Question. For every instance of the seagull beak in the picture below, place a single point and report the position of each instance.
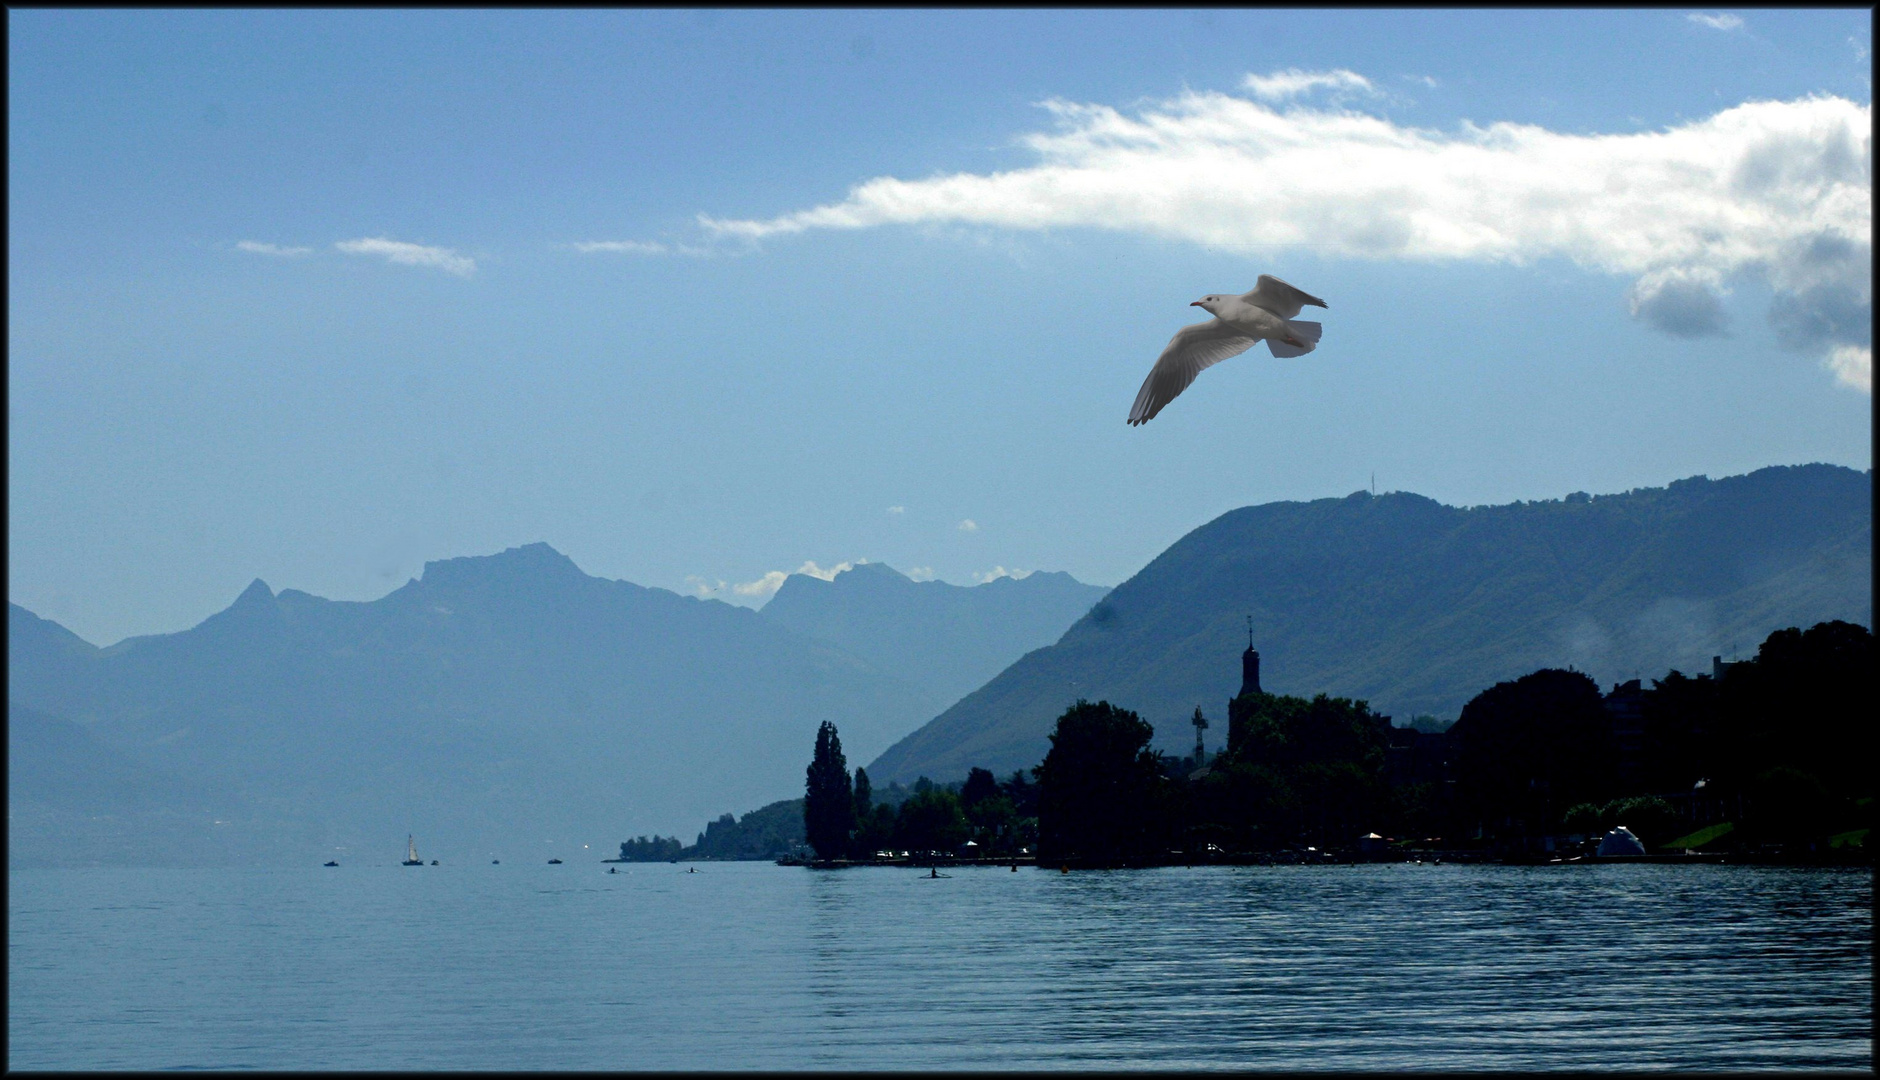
(1197, 303)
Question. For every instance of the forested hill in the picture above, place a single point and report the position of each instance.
(950, 638)
(1417, 606)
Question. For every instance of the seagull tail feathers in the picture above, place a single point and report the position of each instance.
(1307, 332)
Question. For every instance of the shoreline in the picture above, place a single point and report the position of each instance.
(1464, 857)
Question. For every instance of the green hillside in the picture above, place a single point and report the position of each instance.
(1417, 606)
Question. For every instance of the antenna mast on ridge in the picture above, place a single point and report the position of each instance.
(1249, 631)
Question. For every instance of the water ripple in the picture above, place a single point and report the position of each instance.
(756, 966)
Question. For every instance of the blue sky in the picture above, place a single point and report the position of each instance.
(701, 298)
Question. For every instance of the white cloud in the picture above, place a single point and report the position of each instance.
(640, 247)
(277, 250)
(810, 569)
(1776, 190)
(1861, 52)
(704, 587)
(763, 586)
(1716, 22)
(998, 572)
(1423, 80)
(1292, 83)
(1680, 303)
(404, 254)
(921, 573)
(897, 510)
(1853, 366)
(629, 247)
(969, 525)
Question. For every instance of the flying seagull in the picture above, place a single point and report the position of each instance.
(1239, 321)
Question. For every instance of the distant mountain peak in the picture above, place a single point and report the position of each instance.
(257, 592)
(535, 562)
(876, 569)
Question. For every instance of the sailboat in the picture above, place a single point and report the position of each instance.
(411, 852)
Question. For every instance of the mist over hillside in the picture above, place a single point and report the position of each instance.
(948, 638)
(1417, 606)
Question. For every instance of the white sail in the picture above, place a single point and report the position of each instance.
(411, 849)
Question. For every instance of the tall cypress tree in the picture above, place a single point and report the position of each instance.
(828, 801)
(864, 796)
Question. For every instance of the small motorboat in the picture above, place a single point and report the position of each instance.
(554, 862)
(433, 862)
(329, 862)
(496, 862)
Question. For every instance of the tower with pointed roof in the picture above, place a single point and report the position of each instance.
(1241, 704)
(1249, 665)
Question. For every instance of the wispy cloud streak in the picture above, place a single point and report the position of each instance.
(405, 254)
(279, 251)
(1293, 83)
(626, 247)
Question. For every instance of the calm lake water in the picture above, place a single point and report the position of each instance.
(757, 966)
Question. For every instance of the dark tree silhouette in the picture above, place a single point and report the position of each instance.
(1023, 793)
(1100, 788)
(828, 802)
(656, 849)
(1805, 704)
(864, 795)
(1529, 750)
(1299, 771)
(979, 786)
(931, 821)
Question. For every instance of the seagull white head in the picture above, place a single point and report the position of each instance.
(1210, 304)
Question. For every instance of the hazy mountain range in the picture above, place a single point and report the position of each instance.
(947, 638)
(498, 703)
(1418, 606)
(512, 704)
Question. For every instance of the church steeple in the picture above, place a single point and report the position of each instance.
(1250, 664)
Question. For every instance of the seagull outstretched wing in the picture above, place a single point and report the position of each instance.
(1280, 298)
(1190, 351)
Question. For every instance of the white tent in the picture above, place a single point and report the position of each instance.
(1620, 841)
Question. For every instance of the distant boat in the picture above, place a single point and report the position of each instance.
(496, 862)
(554, 862)
(332, 864)
(411, 853)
